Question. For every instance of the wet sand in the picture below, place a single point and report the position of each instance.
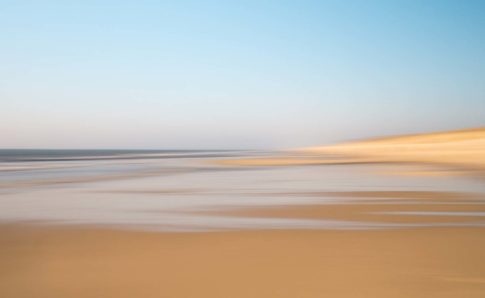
(69, 262)
(403, 208)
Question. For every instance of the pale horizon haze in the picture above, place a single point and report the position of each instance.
(236, 74)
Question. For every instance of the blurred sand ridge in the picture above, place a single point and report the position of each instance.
(459, 148)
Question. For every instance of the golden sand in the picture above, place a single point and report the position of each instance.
(444, 262)
(459, 148)
(463, 149)
(49, 262)
(404, 262)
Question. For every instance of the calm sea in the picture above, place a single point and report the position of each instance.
(30, 155)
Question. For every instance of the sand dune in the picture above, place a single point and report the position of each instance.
(462, 147)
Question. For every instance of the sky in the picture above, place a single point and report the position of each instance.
(236, 74)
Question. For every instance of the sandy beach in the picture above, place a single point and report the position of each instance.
(265, 226)
(405, 261)
(242, 149)
(66, 262)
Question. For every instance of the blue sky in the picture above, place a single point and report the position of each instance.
(236, 74)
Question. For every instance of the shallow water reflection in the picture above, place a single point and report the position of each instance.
(193, 194)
